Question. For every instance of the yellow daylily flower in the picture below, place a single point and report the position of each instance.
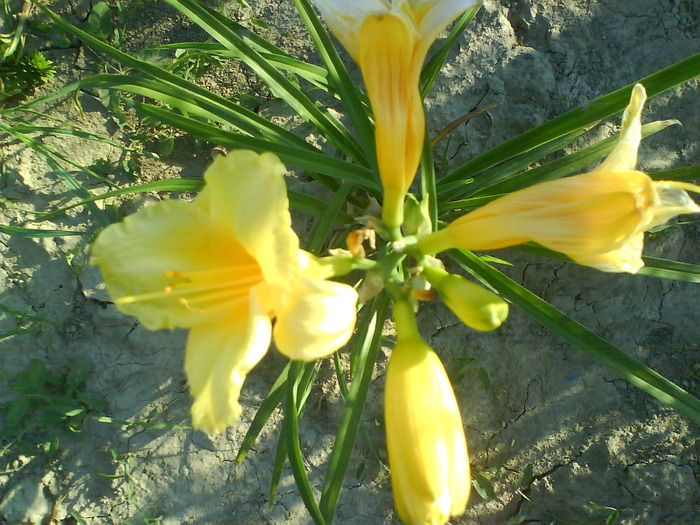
(224, 266)
(598, 219)
(428, 455)
(389, 39)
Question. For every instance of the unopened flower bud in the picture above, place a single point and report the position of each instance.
(416, 217)
(475, 306)
(425, 438)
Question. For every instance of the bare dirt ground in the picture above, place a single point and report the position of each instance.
(588, 435)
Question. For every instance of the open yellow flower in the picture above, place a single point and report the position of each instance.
(598, 219)
(427, 448)
(224, 267)
(390, 39)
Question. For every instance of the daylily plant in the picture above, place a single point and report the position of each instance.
(598, 219)
(229, 268)
(390, 39)
(225, 266)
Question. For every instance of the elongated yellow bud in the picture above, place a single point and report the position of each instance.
(475, 306)
(390, 40)
(598, 218)
(427, 447)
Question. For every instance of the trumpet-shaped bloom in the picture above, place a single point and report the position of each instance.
(390, 39)
(475, 306)
(598, 219)
(224, 267)
(427, 447)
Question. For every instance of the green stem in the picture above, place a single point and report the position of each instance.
(405, 319)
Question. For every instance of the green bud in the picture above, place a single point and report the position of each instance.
(416, 217)
(475, 306)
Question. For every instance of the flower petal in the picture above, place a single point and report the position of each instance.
(246, 191)
(672, 200)
(628, 258)
(317, 320)
(624, 156)
(218, 357)
(433, 16)
(170, 266)
(568, 190)
(391, 71)
(345, 18)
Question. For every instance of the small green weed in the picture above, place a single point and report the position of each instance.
(123, 470)
(20, 72)
(25, 321)
(46, 406)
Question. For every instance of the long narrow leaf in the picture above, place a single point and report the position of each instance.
(366, 347)
(64, 176)
(427, 182)
(566, 165)
(238, 116)
(24, 127)
(339, 79)
(311, 161)
(291, 432)
(277, 467)
(297, 201)
(272, 400)
(329, 217)
(667, 269)
(60, 156)
(687, 173)
(653, 266)
(302, 104)
(204, 105)
(575, 333)
(505, 170)
(578, 118)
(18, 231)
(311, 73)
